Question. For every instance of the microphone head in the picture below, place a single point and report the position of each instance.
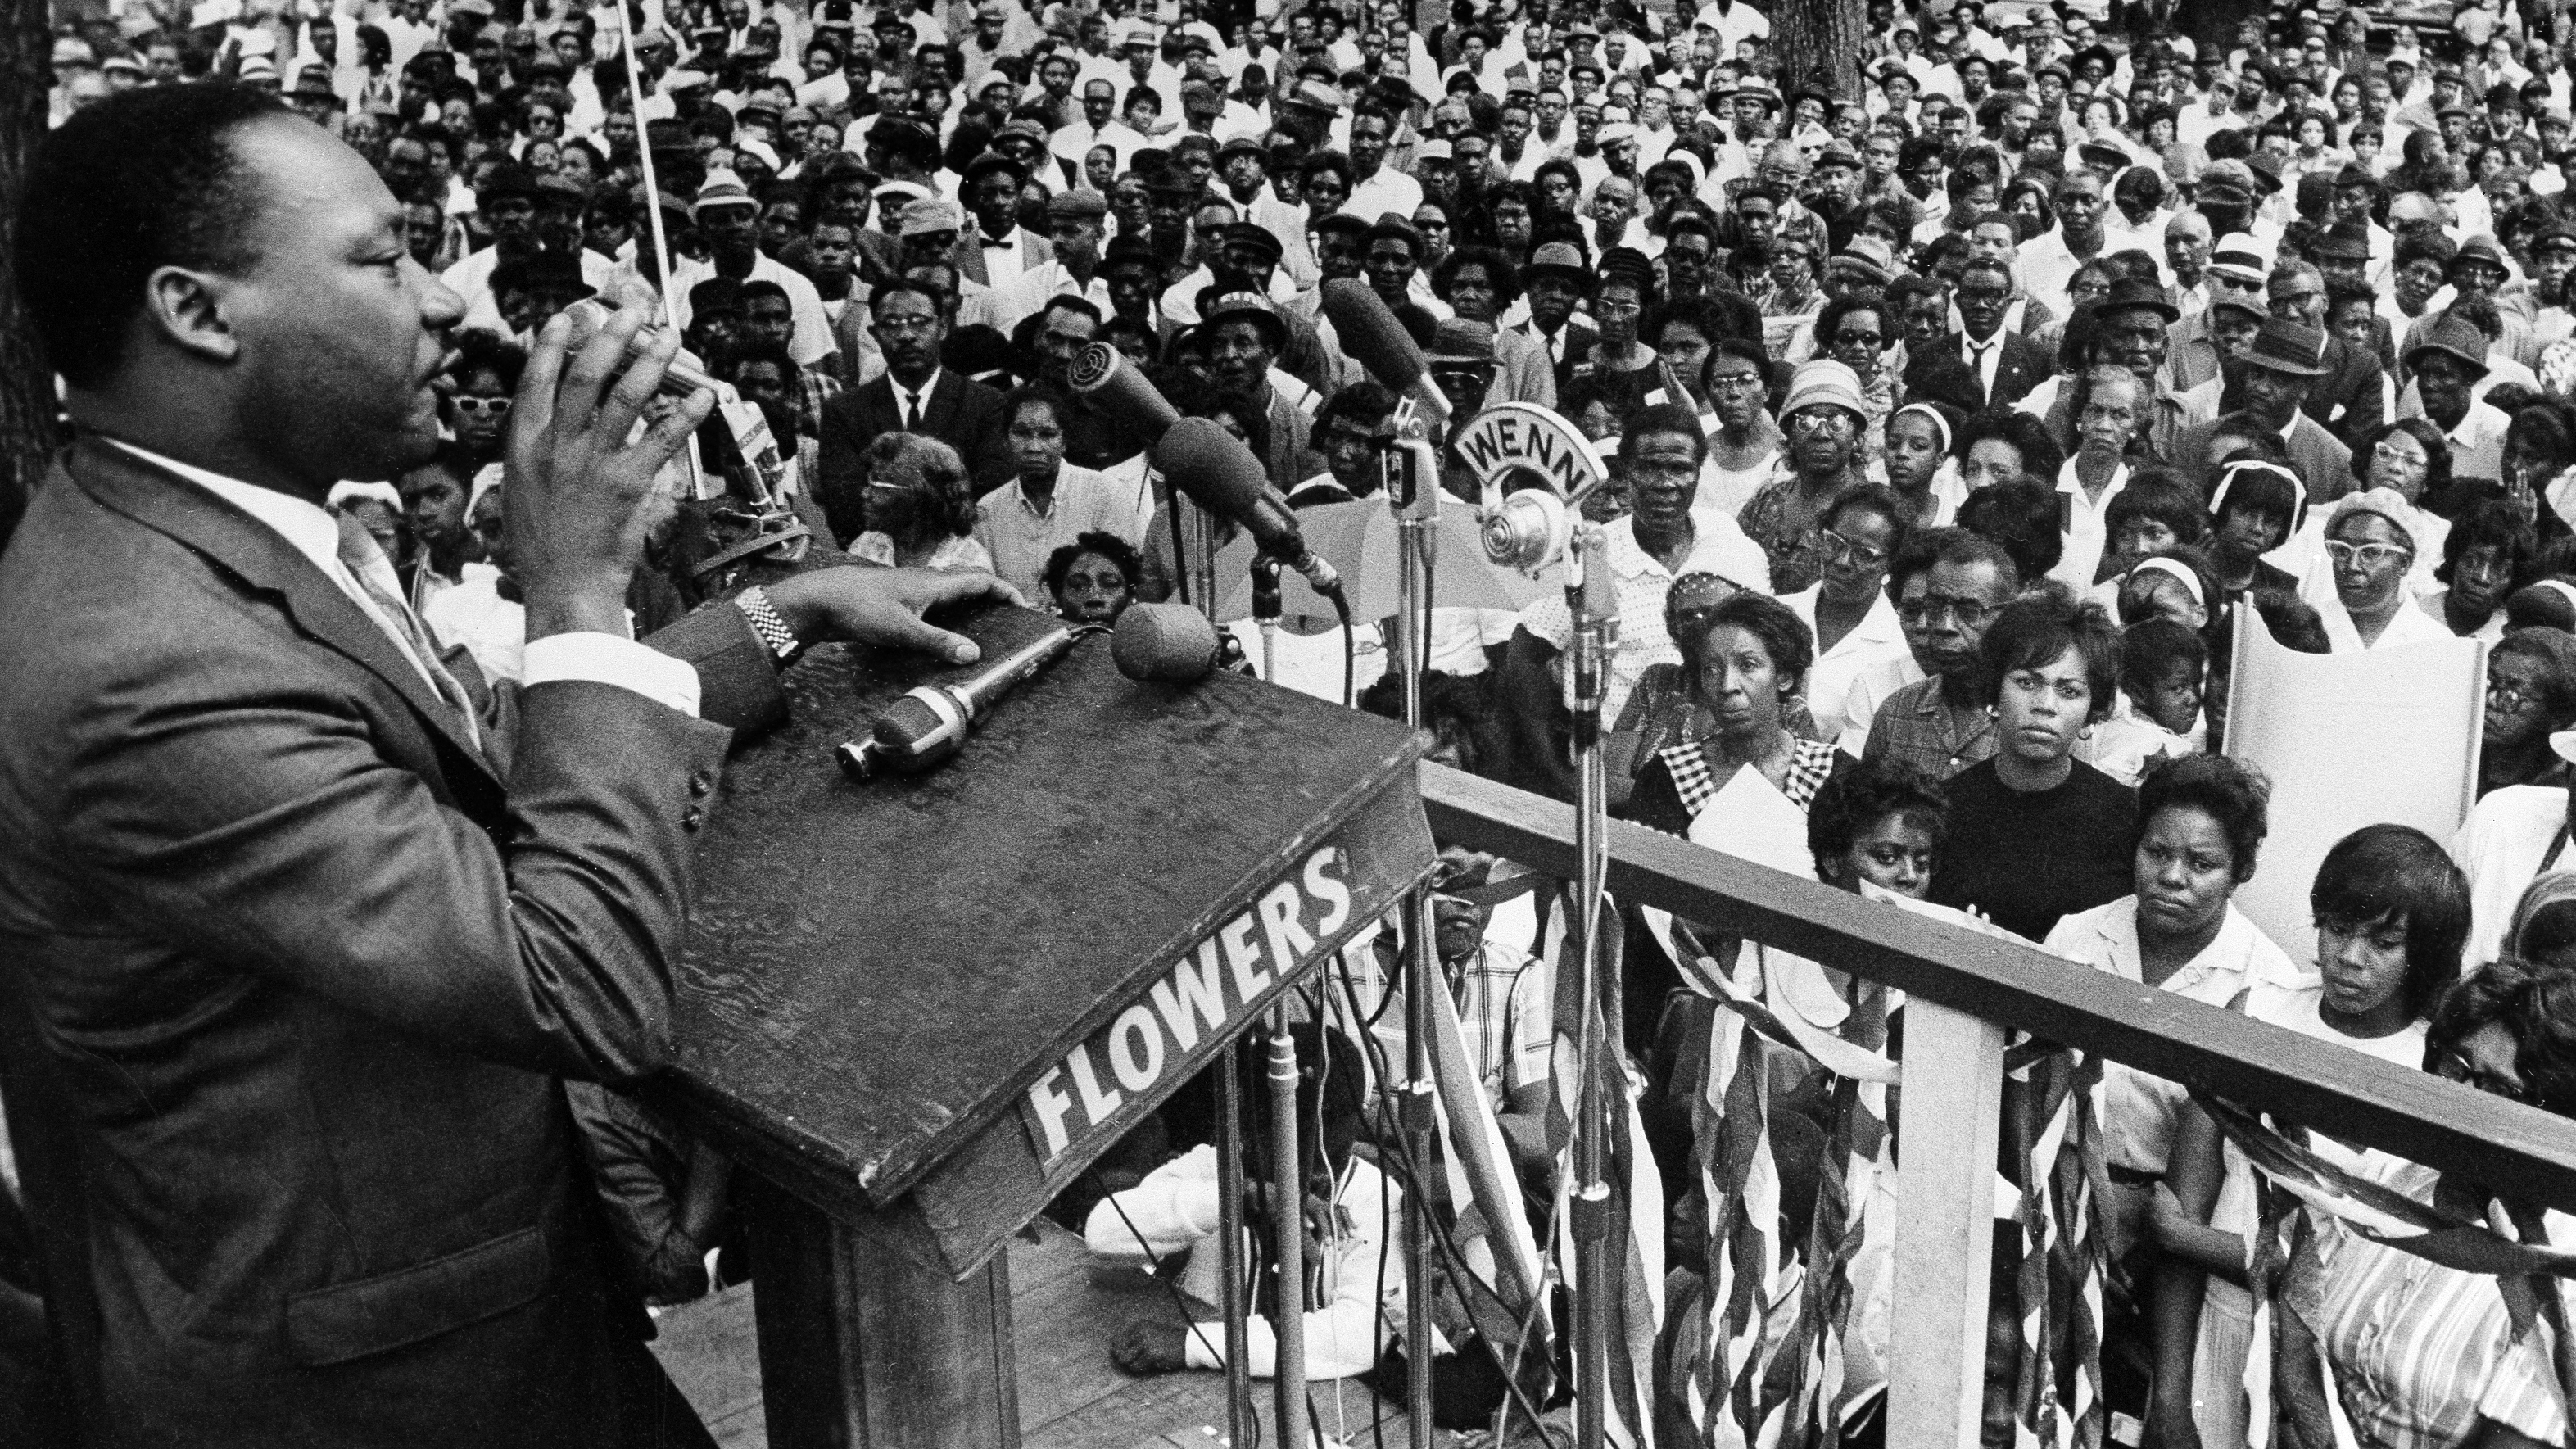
(1529, 531)
(1101, 373)
(1170, 643)
(1371, 335)
(1211, 467)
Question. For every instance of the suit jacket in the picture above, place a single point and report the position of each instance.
(2347, 398)
(2320, 459)
(963, 413)
(294, 971)
(1578, 341)
(968, 254)
(2024, 365)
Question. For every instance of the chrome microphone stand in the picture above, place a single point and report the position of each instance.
(1412, 485)
(1199, 565)
(1593, 603)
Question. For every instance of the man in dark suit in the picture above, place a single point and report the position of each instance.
(300, 943)
(915, 395)
(2344, 394)
(1558, 281)
(2005, 363)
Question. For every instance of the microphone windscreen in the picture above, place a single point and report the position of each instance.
(1212, 468)
(1116, 386)
(1370, 334)
(1173, 643)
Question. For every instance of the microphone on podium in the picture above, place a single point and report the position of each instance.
(1165, 643)
(1216, 471)
(1376, 341)
(1103, 374)
(930, 723)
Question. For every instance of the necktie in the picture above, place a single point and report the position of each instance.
(911, 414)
(359, 552)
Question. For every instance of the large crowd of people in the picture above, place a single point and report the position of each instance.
(1960, 408)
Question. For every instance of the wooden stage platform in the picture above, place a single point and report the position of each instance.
(1071, 1396)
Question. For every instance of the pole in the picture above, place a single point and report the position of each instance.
(1415, 497)
(1588, 592)
(1198, 533)
(1288, 1229)
(644, 157)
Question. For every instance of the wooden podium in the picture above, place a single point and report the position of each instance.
(916, 1008)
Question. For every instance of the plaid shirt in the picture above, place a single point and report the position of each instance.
(814, 387)
(1914, 726)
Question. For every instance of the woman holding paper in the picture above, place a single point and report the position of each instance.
(1746, 660)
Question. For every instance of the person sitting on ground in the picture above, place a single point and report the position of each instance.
(1172, 1215)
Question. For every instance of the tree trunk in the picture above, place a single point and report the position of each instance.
(27, 408)
(1817, 44)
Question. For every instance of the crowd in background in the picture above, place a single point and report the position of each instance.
(1959, 409)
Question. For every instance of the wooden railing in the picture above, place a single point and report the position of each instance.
(1965, 992)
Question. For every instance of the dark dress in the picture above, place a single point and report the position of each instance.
(2024, 860)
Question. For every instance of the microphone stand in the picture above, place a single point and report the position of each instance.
(1198, 564)
(1416, 502)
(1287, 1174)
(1267, 606)
(1590, 598)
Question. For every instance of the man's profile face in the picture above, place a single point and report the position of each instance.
(335, 331)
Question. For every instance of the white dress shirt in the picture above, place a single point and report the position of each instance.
(312, 531)
(2087, 527)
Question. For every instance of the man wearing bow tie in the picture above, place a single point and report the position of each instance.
(999, 249)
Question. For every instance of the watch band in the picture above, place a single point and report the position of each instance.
(773, 631)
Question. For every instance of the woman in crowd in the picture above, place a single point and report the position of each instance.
(2392, 913)
(2035, 833)
(486, 378)
(1823, 417)
(2156, 513)
(2021, 516)
(1744, 452)
(2256, 507)
(2412, 459)
(2426, 1354)
(2176, 585)
(1882, 823)
(2371, 544)
(1916, 454)
(1621, 359)
(919, 506)
(2531, 695)
(1746, 662)
(2002, 444)
(1093, 579)
(1847, 609)
(2483, 553)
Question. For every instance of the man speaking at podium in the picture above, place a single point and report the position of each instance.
(297, 943)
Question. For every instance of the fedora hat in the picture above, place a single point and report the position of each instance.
(2287, 347)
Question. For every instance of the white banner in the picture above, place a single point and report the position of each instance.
(2385, 735)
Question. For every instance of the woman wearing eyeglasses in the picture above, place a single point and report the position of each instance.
(2370, 544)
(1823, 418)
(2531, 695)
(1847, 608)
(2425, 1354)
(1745, 450)
(2392, 912)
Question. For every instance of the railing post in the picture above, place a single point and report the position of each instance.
(1945, 1225)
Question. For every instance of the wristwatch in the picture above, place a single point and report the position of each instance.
(773, 630)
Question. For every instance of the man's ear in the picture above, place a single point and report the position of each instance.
(186, 308)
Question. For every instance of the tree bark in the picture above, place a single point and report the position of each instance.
(1817, 44)
(27, 406)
